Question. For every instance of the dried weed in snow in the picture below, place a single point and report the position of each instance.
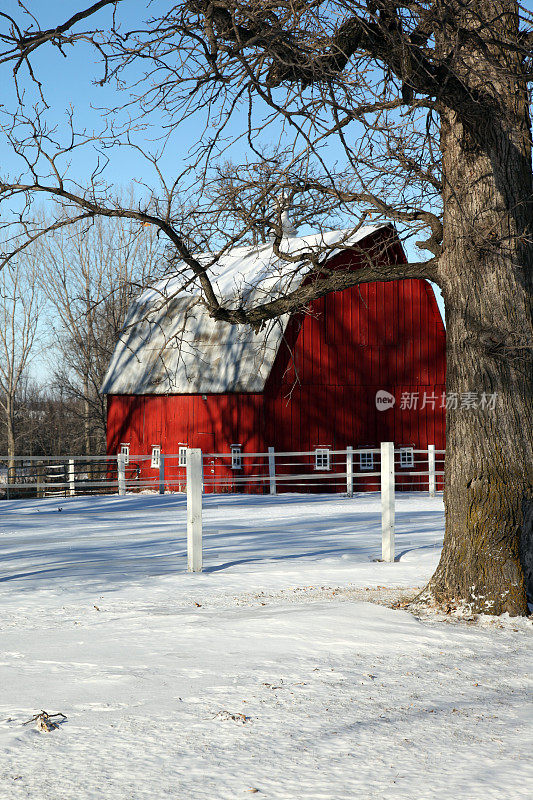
(227, 715)
(45, 721)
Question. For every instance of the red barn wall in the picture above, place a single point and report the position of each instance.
(171, 420)
(354, 343)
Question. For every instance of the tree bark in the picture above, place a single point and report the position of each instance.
(486, 277)
(10, 435)
(86, 420)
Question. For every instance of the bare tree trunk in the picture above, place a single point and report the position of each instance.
(10, 436)
(87, 423)
(486, 277)
(86, 418)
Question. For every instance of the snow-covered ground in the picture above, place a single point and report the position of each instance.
(339, 698)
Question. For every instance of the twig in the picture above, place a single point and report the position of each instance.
(45, 721)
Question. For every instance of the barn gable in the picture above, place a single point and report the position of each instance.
(170, 344)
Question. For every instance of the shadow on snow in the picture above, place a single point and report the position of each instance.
(110, 540)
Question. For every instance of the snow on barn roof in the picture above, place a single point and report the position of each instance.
(170, 344)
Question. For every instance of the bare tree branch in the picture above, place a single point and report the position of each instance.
(299, 298)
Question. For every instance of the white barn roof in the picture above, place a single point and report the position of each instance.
(170, 344)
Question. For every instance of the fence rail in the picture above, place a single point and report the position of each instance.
(323, 469)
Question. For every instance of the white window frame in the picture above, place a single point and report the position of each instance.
(407, 457)
(182, 455)
(322, 459)
(366, 461)
(156, 456)
(125, 451)
(236, 456)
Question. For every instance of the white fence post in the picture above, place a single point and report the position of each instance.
(387, 501)
(349, 471)
(272, 470)
(194, 510)
(161, 473)
(71, 478)
(121, 473)
(431, 469)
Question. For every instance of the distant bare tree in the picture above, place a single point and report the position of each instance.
(89, 274)
(20, 305)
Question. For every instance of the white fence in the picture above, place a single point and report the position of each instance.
(386, 478)
(386, 470)
(60, 476)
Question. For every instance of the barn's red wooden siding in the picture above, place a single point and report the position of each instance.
(322, 387)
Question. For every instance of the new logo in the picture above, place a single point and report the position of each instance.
(384, 400)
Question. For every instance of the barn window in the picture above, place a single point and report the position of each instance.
(182, 455)
(125, 451)
(156, 456)
(407, 457)
(322, 458)
(366, 460)
(236, 456)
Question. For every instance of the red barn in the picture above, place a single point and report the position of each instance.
(305, 381)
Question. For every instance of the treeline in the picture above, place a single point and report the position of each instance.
(46, 421)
